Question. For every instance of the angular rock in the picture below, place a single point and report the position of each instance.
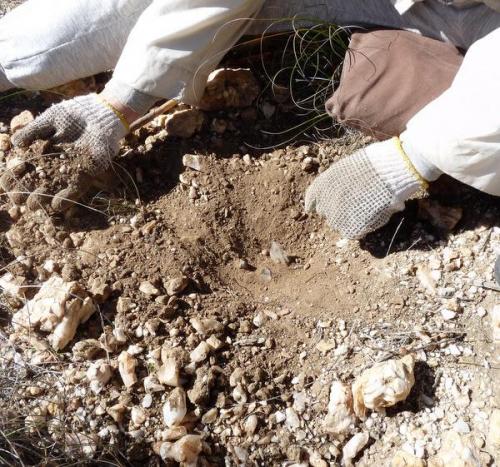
(443, 218)
(228, 87)
(383, 385)
(185, 451)
(21, 120)
(148, 289)
(200, 353)
(4, 142)
(177, 285)
(126, 366)
(58, 307)
(169, 372)
(184, 123)
(278, 254)
(174, 409)
(98, 374)
(13, 285)
(205, 379)
(354, 447)
(340, 419)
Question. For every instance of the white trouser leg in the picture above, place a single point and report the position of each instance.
(45, 44)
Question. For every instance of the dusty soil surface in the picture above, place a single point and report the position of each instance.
(222, 258)
(285, 331)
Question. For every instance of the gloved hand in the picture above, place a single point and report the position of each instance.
(89, 130)
(361, 192)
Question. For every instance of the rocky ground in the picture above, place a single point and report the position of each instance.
(197, 315)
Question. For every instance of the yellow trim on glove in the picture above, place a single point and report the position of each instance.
(423, 182)
(115, 111)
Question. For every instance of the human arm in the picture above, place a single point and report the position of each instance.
(457, 134)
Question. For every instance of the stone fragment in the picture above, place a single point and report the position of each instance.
(98, 374)
(447, 314)
(340, 418)
(184, 123)
(58, 308)
(185, 451)
(126, 367)
(138, 415)
(174, 409)
(214, 343)
(205, 379)
(315, 460)
(13, 285)
(292, 419)
(117, 412)
(20, 121)
(200, 353)
(151, 384)
(174, 433)
(443, 218)
(194, 161)
(86, 349)
(169, 372)
(4, 142)
(77, 445)
(148, 289)
(206, 326)
(177, 285)
(426, 280)
(325, 346)
(228, 87)
(278, 254)
(383, 385)
(250, 424)
(353, 447)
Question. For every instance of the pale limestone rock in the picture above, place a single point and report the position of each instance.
(353, 447)
(383, 385)
(98, 374)
(13, 285)
(185, 451)
(126, 367)
(228, 87)
(168, 373)
(340, 418)
(175, 409)
(21, 120)
(184, 123)
(200, 353)
(4, 142)
(59, 307)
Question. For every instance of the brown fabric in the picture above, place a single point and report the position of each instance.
(388, 76)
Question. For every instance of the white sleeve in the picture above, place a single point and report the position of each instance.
(459, 132)
(175, 44)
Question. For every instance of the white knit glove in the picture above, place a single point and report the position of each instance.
(89, 131)
(361, 192)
